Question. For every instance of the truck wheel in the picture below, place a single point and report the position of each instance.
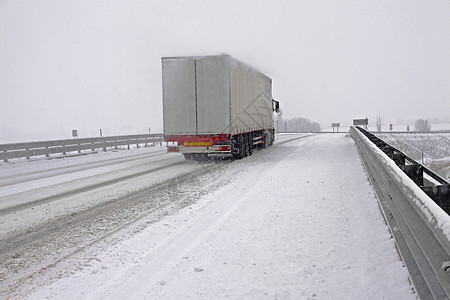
(245, 145)
(272, 138)
(187, 156)
(250, 144)
(240, 144)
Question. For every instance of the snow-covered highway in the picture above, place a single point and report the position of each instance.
(296, 221)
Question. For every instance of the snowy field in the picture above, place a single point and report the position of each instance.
(435, 147)
(296, 221)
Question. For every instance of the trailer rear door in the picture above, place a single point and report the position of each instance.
(213, 95)
(179, 107)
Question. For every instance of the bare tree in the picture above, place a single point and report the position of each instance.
(422, 125)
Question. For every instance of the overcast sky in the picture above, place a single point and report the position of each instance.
(86, 65)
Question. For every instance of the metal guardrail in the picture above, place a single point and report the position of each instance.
(419, 225)
(415, 132)
(20, 150)
(439, 192)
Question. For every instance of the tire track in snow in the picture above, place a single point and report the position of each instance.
(52, 227)
(14, 208)
(54, 241)
(293, 139)
(28, 176)
(74, 231)
(216, 213)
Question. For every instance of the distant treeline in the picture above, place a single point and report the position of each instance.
(302, 125)
(297, 125)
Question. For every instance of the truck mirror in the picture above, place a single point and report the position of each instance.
(276, 106)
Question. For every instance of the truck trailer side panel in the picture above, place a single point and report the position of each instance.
(251, 99)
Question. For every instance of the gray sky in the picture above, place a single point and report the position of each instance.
(88, 65)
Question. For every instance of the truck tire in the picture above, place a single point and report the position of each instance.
(249, 144)
(240, 143)
(187, 156)
(244, 145)
(272, 137)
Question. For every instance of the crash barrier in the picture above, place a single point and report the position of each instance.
(417, 214)
(27, 150)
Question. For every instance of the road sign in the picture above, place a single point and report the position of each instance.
(358, 122)
(335, 125)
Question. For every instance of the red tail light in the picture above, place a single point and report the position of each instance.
(225, 148)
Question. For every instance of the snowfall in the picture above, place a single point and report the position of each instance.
(299, 220)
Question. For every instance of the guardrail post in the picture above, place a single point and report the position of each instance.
(47, 155)
(79, 151)
(92, 147)
(440, 194)
(388, 150)
(398, 158)
(5, 160)
(115, 147)
(379, 143)
(28, 156)
(415, 172)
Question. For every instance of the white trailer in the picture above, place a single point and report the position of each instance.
(216, 104)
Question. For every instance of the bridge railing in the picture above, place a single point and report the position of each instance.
(419, 224)
(27, 150)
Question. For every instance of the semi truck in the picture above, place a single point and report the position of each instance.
(216, 105)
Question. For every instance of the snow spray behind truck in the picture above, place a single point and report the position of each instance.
(216, 105)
